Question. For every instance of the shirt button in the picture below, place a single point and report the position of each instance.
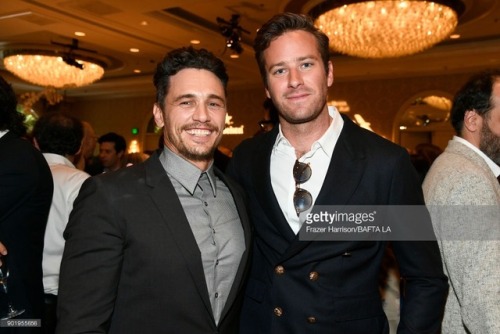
(216, 295)
(278, 311)
(311, 320)
(279, 270)
(206, 204)
(217, 262)
(313, 275)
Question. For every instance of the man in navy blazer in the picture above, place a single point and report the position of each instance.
(318, 157)
(26, 188)
(162, 246)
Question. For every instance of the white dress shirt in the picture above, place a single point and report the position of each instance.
(283, 158)
(67, 182)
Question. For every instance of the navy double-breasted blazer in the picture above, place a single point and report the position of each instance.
(332, 286)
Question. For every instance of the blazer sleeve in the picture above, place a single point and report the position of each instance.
(424, 285)
(91, 263)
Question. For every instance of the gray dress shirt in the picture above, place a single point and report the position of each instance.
(214, 220)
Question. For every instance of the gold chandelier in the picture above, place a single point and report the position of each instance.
(386, 28)
(50, 69)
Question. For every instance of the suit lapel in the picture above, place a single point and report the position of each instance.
(346, 168)
(164, 196)
(261, 173)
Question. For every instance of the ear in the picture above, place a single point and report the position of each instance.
(330, 76)
(267, 94)
(158, 115)
(472, 121)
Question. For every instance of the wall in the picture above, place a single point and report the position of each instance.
(378, 101)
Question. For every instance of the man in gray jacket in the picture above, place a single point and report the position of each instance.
(463, 182)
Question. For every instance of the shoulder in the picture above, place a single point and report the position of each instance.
(258, 142)
(361, 143)
(457, 179)
(69, 176)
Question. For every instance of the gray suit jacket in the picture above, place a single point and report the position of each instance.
(131, 263)
(459, 176)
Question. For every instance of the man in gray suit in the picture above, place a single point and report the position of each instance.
(465, 176)
(162, 246)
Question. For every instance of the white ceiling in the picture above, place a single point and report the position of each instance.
(112, 27)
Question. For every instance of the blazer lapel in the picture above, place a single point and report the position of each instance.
(345, 170)
(262, 180)
(164, 196)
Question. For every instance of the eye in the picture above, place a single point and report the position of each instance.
(186, 103)
(279, 71)
(307, 65)
(215, 105)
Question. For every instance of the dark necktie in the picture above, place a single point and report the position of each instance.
(498, 178)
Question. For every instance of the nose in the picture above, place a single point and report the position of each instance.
(294, 78)
(201, 113)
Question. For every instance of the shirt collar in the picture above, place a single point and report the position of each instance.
(56, 159)
(493, 166)
(327, 141)
(185, 172)
(2, 133)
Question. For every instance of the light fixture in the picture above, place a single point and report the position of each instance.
(386, 28)
(53, 69)
(232, 31)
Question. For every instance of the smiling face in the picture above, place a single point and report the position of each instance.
(296, 78)
(194, 115)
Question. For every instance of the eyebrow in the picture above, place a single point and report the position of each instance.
(191, 95)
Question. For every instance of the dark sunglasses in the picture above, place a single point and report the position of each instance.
(302, 199)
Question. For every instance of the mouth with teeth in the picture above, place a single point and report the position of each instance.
(199, 132)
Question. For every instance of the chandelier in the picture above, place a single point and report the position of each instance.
(386, 28)
(51, 69)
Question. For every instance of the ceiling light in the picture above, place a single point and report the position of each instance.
(232, 30)
(80, 33)
(134, 50)
(195, 41)
(386, 28)
(51, 69)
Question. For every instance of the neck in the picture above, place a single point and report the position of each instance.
(302, 136)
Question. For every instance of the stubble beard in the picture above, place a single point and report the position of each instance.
(490, 144)
(289, 114)
(193, 153)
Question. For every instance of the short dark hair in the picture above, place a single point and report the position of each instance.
(112, 137)
(10, 118)
(282, 23)
(58, 133)
(474, 95)
(182, 58)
